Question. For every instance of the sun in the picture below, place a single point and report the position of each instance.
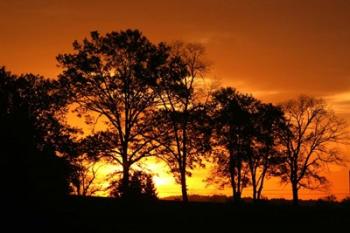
(162, 181)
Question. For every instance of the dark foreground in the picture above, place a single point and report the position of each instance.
(107, 215)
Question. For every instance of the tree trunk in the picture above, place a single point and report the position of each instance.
(184, 186)
(258, 195)
(254, 184)
(232, 176)
(260, 186)
(237, 196)
(255, 196)
(233, 185)
(239, 182)
(78, 189)
(125, 181)
(260, 189)
(295, 193)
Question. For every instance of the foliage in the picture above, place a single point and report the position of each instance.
(140, 187)
(233, 128)
(32, 137)
(264, 154)
(181, 125)
(244, 139)
(149, 100)
(116, 76)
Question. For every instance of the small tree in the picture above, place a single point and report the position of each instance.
(83, 177)
(141, 187)
(310, 142)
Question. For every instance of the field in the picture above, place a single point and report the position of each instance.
(108, 215)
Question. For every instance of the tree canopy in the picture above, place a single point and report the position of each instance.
(117, 76)
(148, 100)
(32, 138)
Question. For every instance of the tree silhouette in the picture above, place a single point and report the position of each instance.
(246, 141)
(84, 176)
(263, 155)
(181, 124)
(309, 142)
(32, 137)
(234, 127)
(141, 187)
(114, 76)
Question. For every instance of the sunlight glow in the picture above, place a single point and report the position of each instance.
(162, 181)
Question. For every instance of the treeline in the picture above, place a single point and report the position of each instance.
(152, 100)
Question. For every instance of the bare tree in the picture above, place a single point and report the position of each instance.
(84, 176)
(181, 119)
(310, 142)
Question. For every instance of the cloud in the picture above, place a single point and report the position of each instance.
(289, 46)
(340, 102)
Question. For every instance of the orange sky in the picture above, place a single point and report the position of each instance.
(275, 49)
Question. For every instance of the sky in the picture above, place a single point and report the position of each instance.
(274, 49)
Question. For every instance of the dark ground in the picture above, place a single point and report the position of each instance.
(108, 215)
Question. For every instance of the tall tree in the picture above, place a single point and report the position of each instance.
(233, 119)
(33, 141)
(114, 76)
(310, 142)
(181, 123)
(263, 154)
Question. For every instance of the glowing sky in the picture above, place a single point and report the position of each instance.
(275, 49)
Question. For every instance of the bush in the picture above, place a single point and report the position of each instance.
(141, 187)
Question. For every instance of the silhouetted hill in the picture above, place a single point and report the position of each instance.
(200, 198)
